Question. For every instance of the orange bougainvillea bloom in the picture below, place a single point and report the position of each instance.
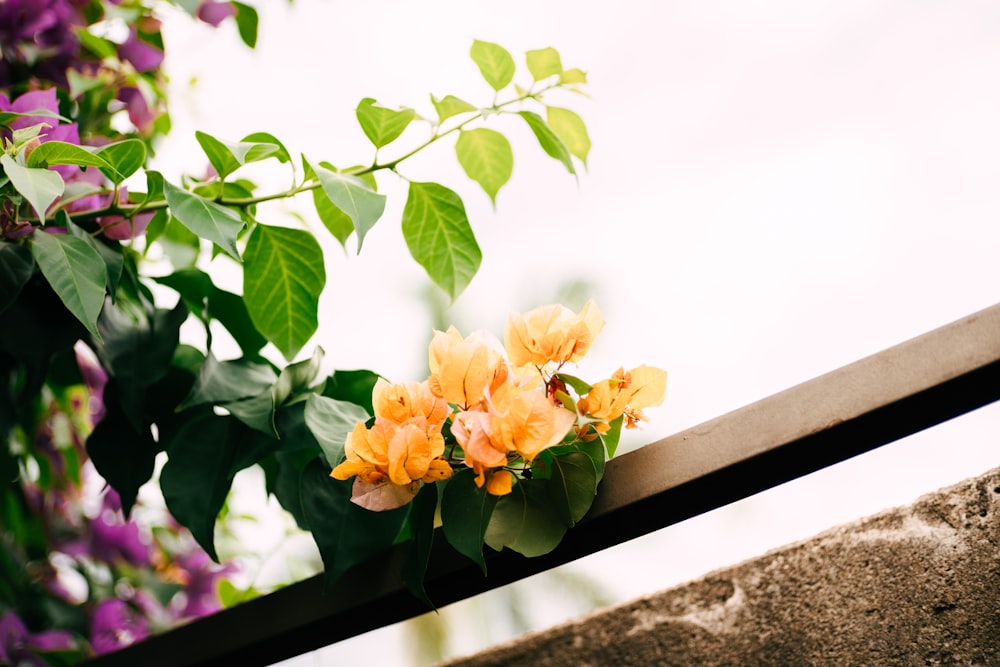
(389, 453)
(471, 429)
(526, 421)
(625, 393)
(551, 334)
(400, 402)
(464, 369)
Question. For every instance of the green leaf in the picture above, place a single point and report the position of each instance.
(543, 63)
(281, 154)
(380, 124)
(40, 187)
(124, 157)
(138, 351)
(354, 197)
(204, 299)
(246, 23)
(228, 156)
(338, 223)
(345, 533)
(486, 157)
(296, 378)
(572, 76)
(494, 62)
(465, 514)
(223, 381)
(569, 127)
(614, 434)
(449, 106)
(354, 386)
(439, 237)
(330, 421)
(75, 271)
(123, 453)
(181, 245)
(110, 252)
(60, 152)
(579, 386)
(205, 218)
(549, 141)
(525, 522)
(422, 511)
(257, 412)
(16, 267)
(100, 47)
(572, 486)
(204, 456)
(284, 276)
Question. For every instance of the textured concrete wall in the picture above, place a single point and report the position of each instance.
(913, 586)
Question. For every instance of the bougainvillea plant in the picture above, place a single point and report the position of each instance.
(102, 260)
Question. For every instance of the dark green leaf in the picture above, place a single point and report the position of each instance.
(246, 23)
(422, 512)
(75, 271)
(494, 62)
(543, 63)
(449, 106)
(549, 141)
(203, 458)
(525, 521)
(354, 386)
(381, 125)
(123, 453)
(465, 515)
(40, 187)
(203, 298)
(283, 278)
(297, 378)
(439, 237)
(486, 157)
(223, 381)
(16, 267)
(345, 533)
(354, 197)
(579, 386)
(205, 218)
(572, 486)
(124, 159)
(330, 421)
(257, 412)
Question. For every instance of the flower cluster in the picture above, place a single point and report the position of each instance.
(491, 408)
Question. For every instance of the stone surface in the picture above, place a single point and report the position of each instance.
(918, 585)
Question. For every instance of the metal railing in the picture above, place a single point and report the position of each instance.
(899, 391)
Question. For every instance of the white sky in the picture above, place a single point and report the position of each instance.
(776, 189)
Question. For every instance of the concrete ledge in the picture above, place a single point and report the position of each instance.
(918, 585)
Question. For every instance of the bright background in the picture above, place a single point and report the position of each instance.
(776, 189)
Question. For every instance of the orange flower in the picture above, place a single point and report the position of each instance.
(400, 402)
(625, 393)
(402, 455)
(551, 333)
(464, 369)
(471, 429)
(526, 421)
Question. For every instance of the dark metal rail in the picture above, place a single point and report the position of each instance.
(874, 401)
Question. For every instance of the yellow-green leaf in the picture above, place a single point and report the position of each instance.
(569, 127)
(486, 157)
(543, 63)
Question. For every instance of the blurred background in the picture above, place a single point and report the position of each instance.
(775, 189)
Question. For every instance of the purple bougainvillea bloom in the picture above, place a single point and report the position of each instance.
(214, 13)
(95, 377)
(144, 56)
(201, 577)
(33, 28)
(138, 109)
(114, 625)
(20, 647)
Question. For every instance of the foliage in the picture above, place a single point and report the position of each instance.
(96, 376)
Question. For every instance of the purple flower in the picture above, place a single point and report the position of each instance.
(116, 624)
(95, 377)
(144, 56)
(37, 39)
(138, 108)
(201, 577)
(214, 13)
(19, 647)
